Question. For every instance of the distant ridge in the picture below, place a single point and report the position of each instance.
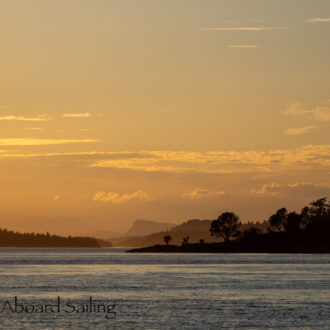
(142, 227)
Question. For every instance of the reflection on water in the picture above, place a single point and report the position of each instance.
(168, 291)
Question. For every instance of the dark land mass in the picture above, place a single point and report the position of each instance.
(304, 232)
(26, 240)
(266, 243)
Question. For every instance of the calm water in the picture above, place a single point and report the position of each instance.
(166, 291)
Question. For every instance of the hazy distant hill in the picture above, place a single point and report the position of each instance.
(194, 225)
(146, 227)
(195, 229)
(104, 234)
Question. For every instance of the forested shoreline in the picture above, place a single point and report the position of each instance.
(9, 238)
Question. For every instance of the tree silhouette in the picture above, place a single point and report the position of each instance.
(226, 226)
(185, 240)
(293, 223)
(201, 241)
(304, 216)
(167, 239)
(319, 207)
(279, 219)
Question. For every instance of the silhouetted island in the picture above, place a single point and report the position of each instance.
(15, 239)
(304, 232)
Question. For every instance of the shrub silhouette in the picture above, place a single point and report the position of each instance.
(185, 240)
(167, 239)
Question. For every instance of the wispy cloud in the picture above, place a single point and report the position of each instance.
(221, 161)
(40, 142)
(81, 115)
(296, 109)
(245, 28)
(200, 193)
(293, 189)
(322, 114)
(242, 46)
(43, 117)
(111, 197)
(319, 113)
(298, 130)
(319, 20)
(189, 162)
(33, 128)
(81, 154)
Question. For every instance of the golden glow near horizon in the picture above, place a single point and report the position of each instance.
(116, 110)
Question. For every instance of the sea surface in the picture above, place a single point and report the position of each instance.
(162, 291)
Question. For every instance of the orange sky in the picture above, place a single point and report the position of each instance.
(167, 110)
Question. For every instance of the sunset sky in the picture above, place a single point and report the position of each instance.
(116, 110)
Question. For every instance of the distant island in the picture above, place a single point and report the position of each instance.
(15, 239)
(304, 232)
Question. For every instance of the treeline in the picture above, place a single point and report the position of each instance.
(15, 239)
(304, 231)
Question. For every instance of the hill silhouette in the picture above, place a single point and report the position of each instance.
(142, 227)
